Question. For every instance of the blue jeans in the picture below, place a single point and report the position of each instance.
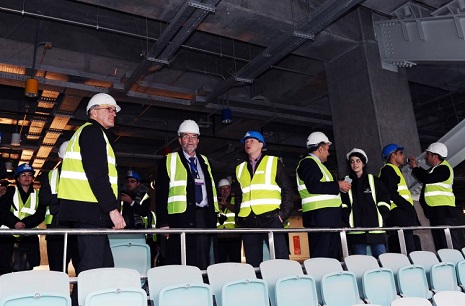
(361, 249)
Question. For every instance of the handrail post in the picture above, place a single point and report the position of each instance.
(271, 245)
(403, 247)
(345, 248)
(183, 249)
(65, 248)
(448, 238)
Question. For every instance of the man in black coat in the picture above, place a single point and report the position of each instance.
(186, 198)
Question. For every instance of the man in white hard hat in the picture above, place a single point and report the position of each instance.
(264, 198)
(55, 243)
(437, 197)
(88, 187)
(229, 245)
(402, 210)
(186, 198)
(321, 201)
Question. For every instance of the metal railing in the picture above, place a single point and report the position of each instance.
(183, 232)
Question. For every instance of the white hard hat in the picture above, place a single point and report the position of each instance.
(62, 150)
(360, 151)
(316, 138)
(438, 148)
(223, 182)
(102, 99)
(188, 126)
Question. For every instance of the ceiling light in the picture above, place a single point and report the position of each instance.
(31, 88)
(9, 166)
(226, 115)
(15, 139)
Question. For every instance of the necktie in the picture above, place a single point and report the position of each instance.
(195, 174)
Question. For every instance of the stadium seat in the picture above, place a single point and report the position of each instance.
(110, 286)
(172, 275)
(37, 287)
(296, 291)
(340, 289)
(318, 267)
(272, 270)
(228, 272)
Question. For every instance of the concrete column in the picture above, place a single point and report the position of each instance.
(370, 106)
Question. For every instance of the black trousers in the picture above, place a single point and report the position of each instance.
(197, 246)
(440, 238)
(253, 243)
(55, 247)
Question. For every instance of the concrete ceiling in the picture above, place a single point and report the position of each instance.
(166, 61)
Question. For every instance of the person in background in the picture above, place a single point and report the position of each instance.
(366, 204)
(56, 243)
(135, 201)
(264, 198)
(22, 208)
(321, 201)
(229, 245)
(402, 210)
(437, 197)
(186, 197)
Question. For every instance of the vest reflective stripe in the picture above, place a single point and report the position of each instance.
(73, 183)
(177, 194)
(54, 179)
(317, 201)
(260, 193)
(371, 182)
(440, 194)
(402, 188)
(25, 209)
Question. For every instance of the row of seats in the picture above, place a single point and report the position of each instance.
(283, 283)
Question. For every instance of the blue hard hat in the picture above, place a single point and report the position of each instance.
(391, 148)
(134, 174)
(23, 168)
(253, 134)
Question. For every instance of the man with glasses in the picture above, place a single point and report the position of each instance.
(402, 211)
(20, 209)
(88, 187)
(186, 198)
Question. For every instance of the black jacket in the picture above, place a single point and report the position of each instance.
(132, 214)
(404, 214)
(440, 174)
(310, 173)
(187, 218)
(364, 209)
(94, 161)
(283, 181)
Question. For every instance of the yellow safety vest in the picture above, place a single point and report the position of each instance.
(177, 194)
(317, 201)
(440, 194)
(25, 209)
(371, 181)
(230, 222)
(74, 184)
(402, 187)
(260, 193)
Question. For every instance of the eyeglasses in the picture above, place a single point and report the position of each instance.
(109, 109)
(187, 136)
